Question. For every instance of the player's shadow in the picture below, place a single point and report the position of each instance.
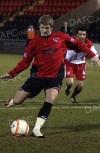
(85, 127)
(90, 101)
(73, 128)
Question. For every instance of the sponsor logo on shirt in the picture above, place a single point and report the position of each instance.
(52, 50)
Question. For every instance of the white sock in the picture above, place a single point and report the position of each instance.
(39, 123)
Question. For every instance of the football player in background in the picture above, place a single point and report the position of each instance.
(30, 33)
(75, 64)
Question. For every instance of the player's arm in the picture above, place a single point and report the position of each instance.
(83, 48)
(94, 51)
(79, 44)
(86, 49)
(22, 65)
(92, 48)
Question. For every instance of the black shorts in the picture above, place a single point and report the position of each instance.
(35, 85)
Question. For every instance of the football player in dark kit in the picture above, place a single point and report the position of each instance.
(48, 49)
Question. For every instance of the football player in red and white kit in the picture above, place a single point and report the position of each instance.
(48, 48)
(75, 64)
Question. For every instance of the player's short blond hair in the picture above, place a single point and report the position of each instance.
(46, 20)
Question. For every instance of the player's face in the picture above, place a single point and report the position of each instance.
(81, 35)
(45, 30)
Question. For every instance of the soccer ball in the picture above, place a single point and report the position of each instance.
(19, 128)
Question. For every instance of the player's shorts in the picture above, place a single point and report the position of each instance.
(79, 70)
(35, 85)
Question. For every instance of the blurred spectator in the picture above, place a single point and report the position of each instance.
(30, 33)
(65, 28)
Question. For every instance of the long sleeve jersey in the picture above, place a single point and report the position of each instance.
(49, 53)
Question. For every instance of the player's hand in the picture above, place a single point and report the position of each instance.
(96, 60)
(5, 77)
(93, 63)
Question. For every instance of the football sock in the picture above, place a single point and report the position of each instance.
(43, 114)
(45, 110)
(77, 90)
(68, 87)
(39, 123)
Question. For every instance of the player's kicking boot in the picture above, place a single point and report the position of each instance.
(9, 103)
(36, 131)
(73, 99)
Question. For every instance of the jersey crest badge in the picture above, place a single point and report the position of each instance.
(72, 39)
(25, 55)
(55, 39)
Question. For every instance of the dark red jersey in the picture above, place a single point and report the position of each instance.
(49, 54)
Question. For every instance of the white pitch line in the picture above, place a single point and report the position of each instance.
(59, 102)
(65, 107)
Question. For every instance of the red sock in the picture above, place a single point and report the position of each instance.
(77, 90)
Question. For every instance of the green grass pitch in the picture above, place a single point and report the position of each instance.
(70, 128)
